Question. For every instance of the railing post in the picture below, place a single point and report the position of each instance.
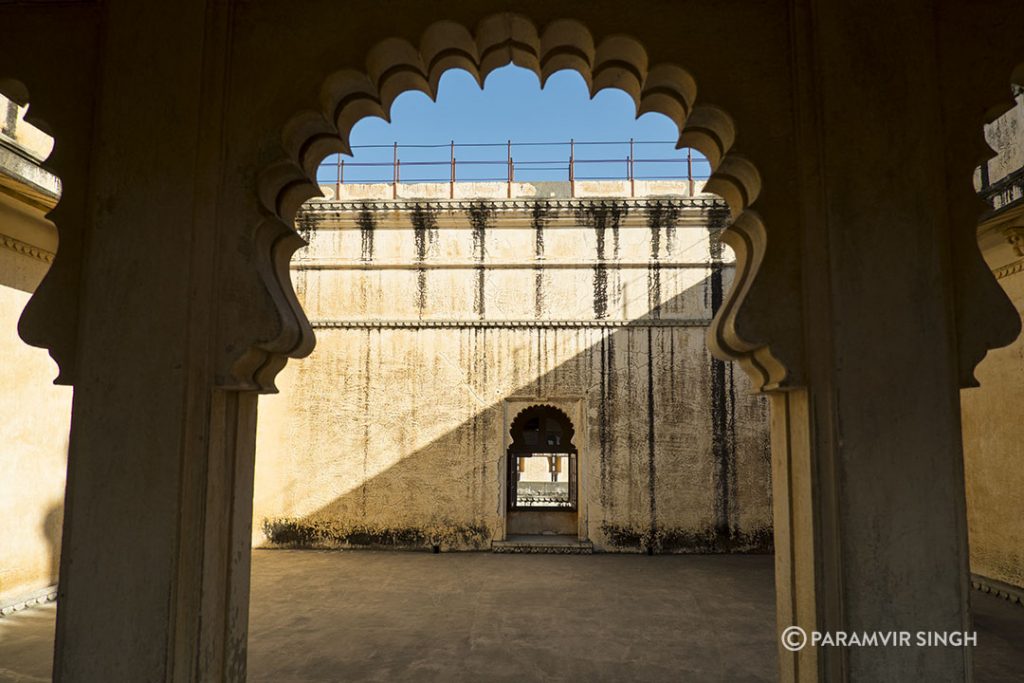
(340, 178)
(689, 167)
(630, 171)
(572, 169)
(394, 182)
(509, 169)
(451, 183)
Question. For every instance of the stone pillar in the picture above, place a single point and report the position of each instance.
(870, 515)
(155, 570)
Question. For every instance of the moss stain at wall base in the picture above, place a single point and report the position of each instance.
(397, 426)
(684, 542)
(301, 533)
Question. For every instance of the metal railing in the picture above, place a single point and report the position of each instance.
(1007, 191)
(521, 162)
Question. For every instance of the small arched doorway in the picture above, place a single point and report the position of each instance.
(542, 474)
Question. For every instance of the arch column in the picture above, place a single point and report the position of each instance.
(867, 462)
(154, 572)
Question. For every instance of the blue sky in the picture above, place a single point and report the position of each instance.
(512, 106)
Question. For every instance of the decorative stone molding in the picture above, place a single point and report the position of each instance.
(395, 66)
(504, 324)
(319, 207)
(26, 249)
(1015, 236)
(547, 264)
(1009, 269)
(1000, 589)
(38, 597)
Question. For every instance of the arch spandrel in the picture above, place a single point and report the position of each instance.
(58, 87)
(976, 80)
(395, 65)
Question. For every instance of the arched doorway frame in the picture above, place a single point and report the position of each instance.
(525, 409)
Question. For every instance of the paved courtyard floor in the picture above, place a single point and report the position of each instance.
(394, 616)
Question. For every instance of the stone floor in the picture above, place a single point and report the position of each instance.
(380, 616)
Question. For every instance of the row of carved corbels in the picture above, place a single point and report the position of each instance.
(395, 66)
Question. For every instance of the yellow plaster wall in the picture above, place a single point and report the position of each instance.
(394, 430)
(994, 457)
(34, 420)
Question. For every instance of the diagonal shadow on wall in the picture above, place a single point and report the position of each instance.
(676, 448)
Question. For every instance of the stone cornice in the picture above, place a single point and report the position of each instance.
(508, 205)
(465, 264)
(26, 249)
(506, 324)
(37, 597)
(1000, 589)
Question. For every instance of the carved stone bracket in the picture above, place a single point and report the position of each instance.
(1015, 237)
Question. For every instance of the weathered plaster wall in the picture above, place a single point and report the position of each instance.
(993, 438)
(992, 429)
(34, 414)
(435, 326)
(993, 433)
(33, 438)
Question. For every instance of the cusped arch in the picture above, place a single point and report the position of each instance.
(542, 428)
(395, 65)
(985, 316)
(49, 319)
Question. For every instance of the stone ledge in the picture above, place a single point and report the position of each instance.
(26, 249)
(546, 324)
(38, 597)
(327, 206)
(998, 588)
(554, 545)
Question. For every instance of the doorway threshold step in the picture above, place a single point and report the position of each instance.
(543, 543)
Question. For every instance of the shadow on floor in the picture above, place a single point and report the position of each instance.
(388, 616)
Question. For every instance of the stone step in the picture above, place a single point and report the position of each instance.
(543, 544)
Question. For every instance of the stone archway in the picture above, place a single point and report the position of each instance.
(177, 313)
(396, 65)
(812, 585)
(542, 435)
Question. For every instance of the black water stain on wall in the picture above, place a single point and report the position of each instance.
(480, 216)
(602, 217)
(306, 223)
(540, 215)
(723, 393)
(366, 223)
(658, 216)
(600, 279)
(424, 224)
(652, 470)
(686, 541)
(606, 414)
